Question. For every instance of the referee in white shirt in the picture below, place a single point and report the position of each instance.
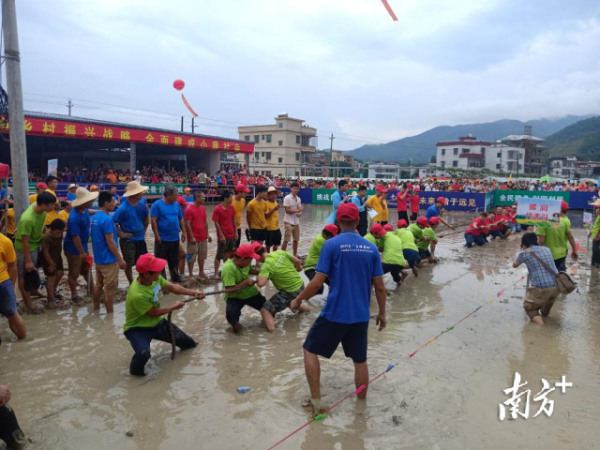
(291, 219)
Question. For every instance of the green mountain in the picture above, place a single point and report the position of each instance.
(422, 146)
(582, 139)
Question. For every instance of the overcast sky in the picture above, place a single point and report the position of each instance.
(341, 65)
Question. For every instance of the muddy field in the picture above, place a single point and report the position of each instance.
(71, 388)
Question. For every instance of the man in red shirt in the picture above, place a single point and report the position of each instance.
(473, 233)
(403, 197)
(197, 230)
(415, 200)
(224, 219)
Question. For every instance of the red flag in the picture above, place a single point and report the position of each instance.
(185, 102)
(389, 9)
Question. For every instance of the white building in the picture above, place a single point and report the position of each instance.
(468, 154)
(563, 167)
(279, 149)
(382, 171)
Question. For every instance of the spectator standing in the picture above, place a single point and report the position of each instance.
(378, 203)
(337, 198)
(52, 183)
(166, 217)
(113, 192)
(255, 215)
(273, 232)
(238, 203)
(106, 252)
(133, 219)
(415, 201)
(224, 219)
(8, 280)
(556, 238)
(52, 261)
(71, 192)
(197, 230)
(403, 198)
(291, 219)
(363, 217)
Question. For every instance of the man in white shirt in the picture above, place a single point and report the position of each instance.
(291, 219)
(137, 177)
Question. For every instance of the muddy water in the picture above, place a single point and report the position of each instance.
(71, 387)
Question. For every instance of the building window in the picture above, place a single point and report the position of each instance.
(499, 155)
(280, 160)
(455, 163)
(498, 166)
(269, 136)
(297, 156)
(466, 150)
(443, 164)
(456, 151)
(262, 138)
(280, 124)
(256, 138)
(297, 139)
(280, 143)
(268, 156)
(443, 152)
(483, 150)
(247, 138)
(262, 154)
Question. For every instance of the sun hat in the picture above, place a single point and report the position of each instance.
(273, 189)
(83, 196)
(150, 263)
(71, 186)
(134, 188)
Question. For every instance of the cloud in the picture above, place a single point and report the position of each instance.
(342, 66)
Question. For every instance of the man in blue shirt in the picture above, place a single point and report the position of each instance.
(338, 197)
(436, 210)
(353, 266)
(363, 218)
(76, 240)
(71, 192)
(113, 192)
(167, 219)
(106, 252)
(133, 219)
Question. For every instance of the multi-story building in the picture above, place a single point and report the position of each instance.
(279, 149)
(533, 146)
(468, 153)
(340, 156)
(384, 171)
(563, 166)
(587, 169)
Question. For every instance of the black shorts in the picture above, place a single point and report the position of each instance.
(560, 264)
(412, 256)
(403, 215)
(424, 254)
(413, 217)
(310, 274)
(234, 306)
(258, 235)
(273, 238)
(324, 338)
(131, 251)
(496, 234)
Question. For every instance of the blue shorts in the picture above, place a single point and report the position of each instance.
(424, 253)
(412, 256)
(8, 299)
(324, 337)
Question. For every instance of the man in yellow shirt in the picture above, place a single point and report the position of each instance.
(52, 184)
(378, 203)
(8, 220)
(238, 203)
(8, 278)
(256, 215)
(40, 187)
(64, 214)
(273, 231)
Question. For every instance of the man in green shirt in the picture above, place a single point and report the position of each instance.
(282, 269)
(392, 257)
(409, 246)
(28, 239)
(144, 316)
(369, 237)
(235, 276)
(556, 237)
(596, 236)
(312, 259)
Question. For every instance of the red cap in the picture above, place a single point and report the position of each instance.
(441, 200)
(331, 228)
(434, 221)
(242, 188)
(508, 208)
(417, 189)
(388, 227)
(41, 185)
(409, 186)
(381, 188)
(247, 251)
(402, 223)
(378, 229)
(347, 212)
(423, 221)
(564, 206)
(150, 263)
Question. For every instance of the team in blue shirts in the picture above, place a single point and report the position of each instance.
(436, 209)
(338, 197)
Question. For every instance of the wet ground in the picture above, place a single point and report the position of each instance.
(71, 388)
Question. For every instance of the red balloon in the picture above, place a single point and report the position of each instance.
(178, 84)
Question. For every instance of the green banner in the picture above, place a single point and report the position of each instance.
(323, 196)
(507, 198)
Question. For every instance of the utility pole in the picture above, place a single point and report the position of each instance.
(331, 155)
(193, 126)
(182, 124)
(18, 146)
(70, 105)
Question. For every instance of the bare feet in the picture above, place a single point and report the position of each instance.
(538, 320)
(236, 328)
